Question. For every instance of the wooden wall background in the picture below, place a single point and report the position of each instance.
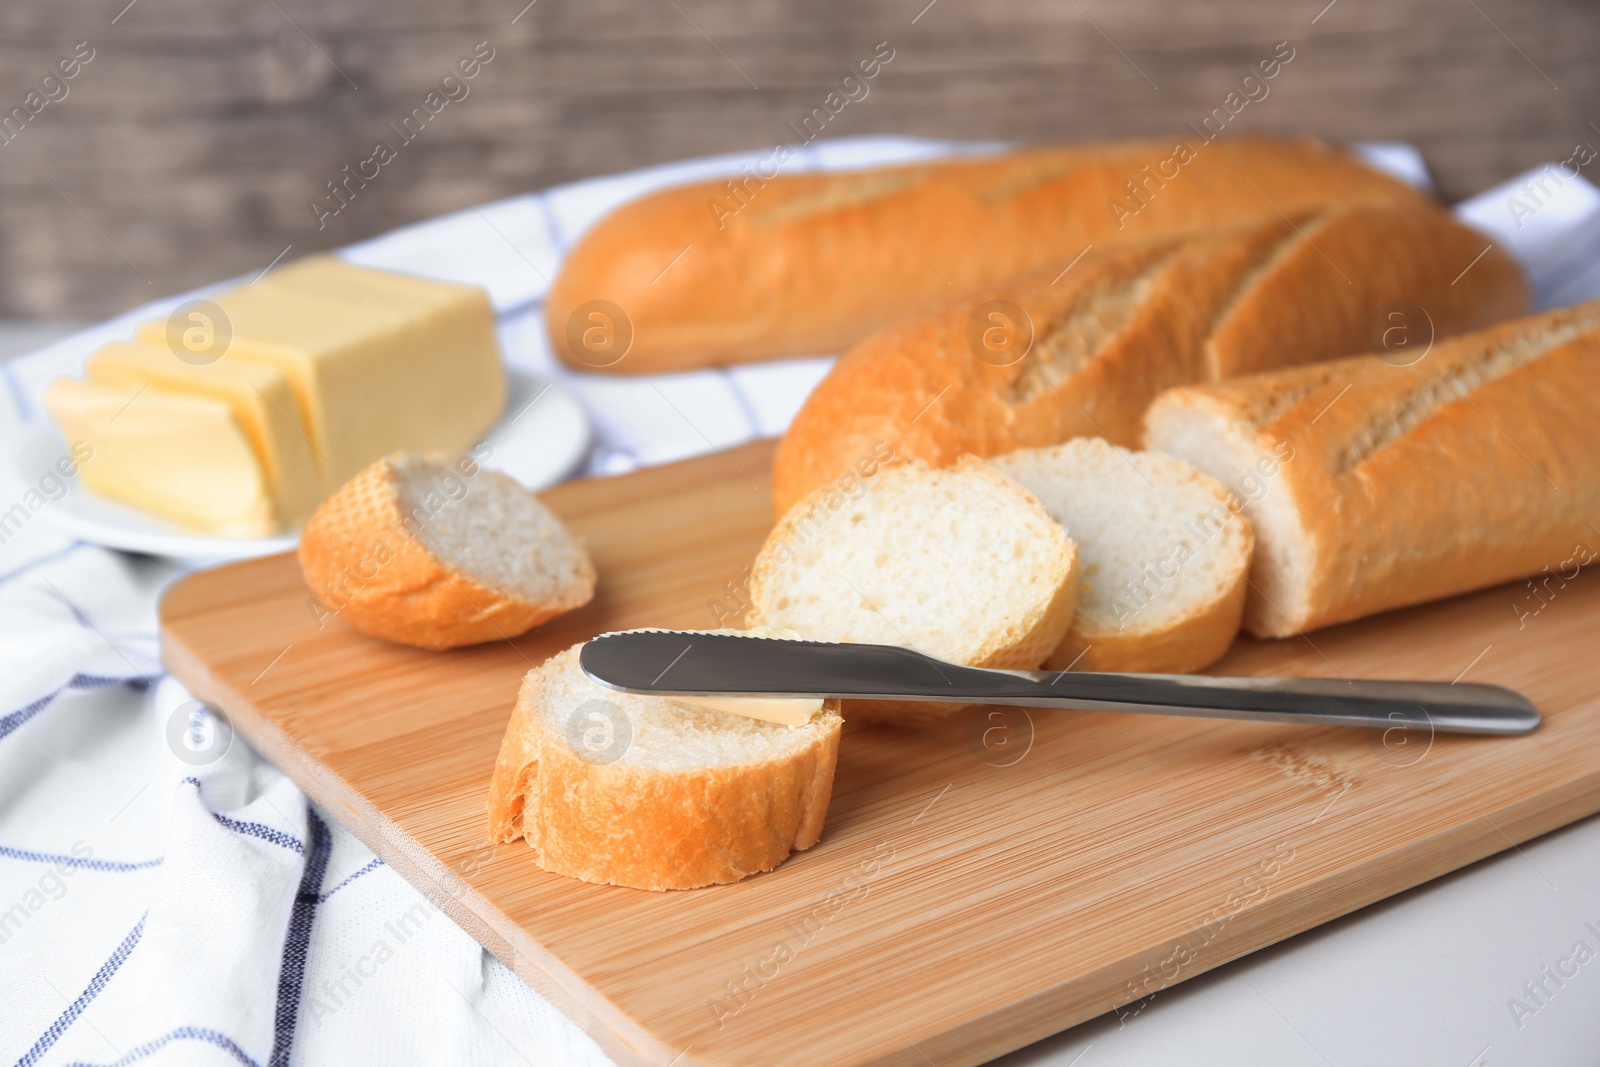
(189, 148)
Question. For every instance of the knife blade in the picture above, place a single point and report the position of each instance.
(686, 663)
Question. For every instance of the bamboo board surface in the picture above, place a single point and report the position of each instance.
(977, 887)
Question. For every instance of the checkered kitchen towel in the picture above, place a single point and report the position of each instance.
(166, 894)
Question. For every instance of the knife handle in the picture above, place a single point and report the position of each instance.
(883, 672)
(1377, 704)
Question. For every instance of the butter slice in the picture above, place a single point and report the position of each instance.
(182, 457)
(787, 711)
(379, 362)
(259, 397)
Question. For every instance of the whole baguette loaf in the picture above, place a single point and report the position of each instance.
(1373, 486)
(720, 272)
(1052, 355)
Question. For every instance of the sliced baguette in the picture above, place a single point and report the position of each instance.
(961, 563)
(435, 553)
(1111, 331)
(1163, 556)
(1373, 486)
(654, 792)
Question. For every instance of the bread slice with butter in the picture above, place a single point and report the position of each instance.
(962, 563)
(438, 553)
(656, 792)
(1164, 555)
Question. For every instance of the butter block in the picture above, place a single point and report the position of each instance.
(259, 397)
(182, 457)
(379, 362)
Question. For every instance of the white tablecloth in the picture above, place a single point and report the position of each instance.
(167, 895)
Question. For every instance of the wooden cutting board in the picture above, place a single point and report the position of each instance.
(977, 887)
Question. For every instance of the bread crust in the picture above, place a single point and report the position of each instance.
(369, 570)
(812, 263)
(654, 829)
(1194, 642)
(1235, 301)
(1406, 484)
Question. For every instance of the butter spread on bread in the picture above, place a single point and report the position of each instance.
(644, 791)
(787, 711)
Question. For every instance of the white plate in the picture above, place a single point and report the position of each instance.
(542, 437)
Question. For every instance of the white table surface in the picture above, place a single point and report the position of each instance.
(1425, 979)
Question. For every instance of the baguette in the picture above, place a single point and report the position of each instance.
(654, 792)
(963, 564)
(1374, 486)
(1111, 332)
(438, 554)
(721, 272)
(1163, 556)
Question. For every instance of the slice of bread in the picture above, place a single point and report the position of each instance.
(1164, 557)
(438, 553)
(961, 563)
(653, 792)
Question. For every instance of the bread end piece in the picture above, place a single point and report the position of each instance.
(437, 554)
(651, 792)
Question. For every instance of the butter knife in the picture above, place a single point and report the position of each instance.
(681, 663)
